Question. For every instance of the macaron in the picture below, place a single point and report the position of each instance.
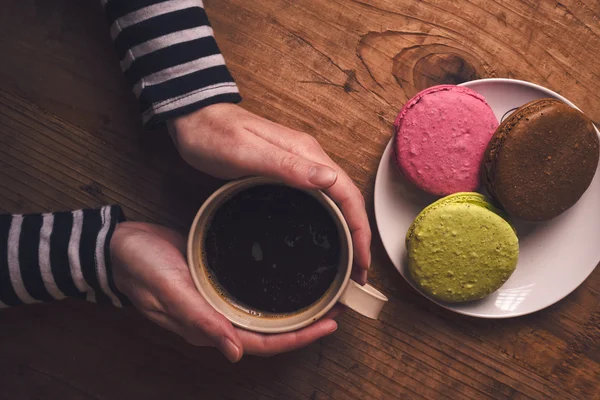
(461, 249)
(541, 160)
(441, 136)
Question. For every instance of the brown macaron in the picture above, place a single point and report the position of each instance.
(541, 160)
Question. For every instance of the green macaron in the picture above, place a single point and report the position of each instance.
(461, 249)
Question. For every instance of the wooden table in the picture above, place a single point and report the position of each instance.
(71, 137)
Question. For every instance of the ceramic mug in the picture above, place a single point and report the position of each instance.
(365, 300)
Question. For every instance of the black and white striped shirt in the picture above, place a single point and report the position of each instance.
(169, 56)
(46, 257)
(171, 60)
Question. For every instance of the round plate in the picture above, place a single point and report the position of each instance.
(555, 257)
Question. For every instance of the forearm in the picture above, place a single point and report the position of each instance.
(46, 257)
(169, 56)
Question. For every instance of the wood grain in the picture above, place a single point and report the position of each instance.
(70, 137)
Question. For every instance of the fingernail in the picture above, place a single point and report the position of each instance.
(232, 352)
(364, 277)
(322, 176)
(332, 328)
(369, 262)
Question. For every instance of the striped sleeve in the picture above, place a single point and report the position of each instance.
(169, 56)
(46, 257)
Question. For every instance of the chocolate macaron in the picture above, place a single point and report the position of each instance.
(541, 160)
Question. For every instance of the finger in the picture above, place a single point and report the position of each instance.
(351, 202)
(359, 275)
(269, 160)
(189, 309)
(178, 307)
(200, 319)
(172, 325)
(363, 278)
(335, 312)
(288, 139)
(181, 302)
(268, 345)
(262, 157)
(343, 191)
(192, 311)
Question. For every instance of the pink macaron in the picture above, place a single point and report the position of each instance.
(441, 136)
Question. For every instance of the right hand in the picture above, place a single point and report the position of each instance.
(149, 267)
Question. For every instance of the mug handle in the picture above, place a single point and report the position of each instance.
(365, 300)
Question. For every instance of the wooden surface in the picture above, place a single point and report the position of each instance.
(70, 137)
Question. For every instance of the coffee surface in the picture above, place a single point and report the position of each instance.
(273, 248)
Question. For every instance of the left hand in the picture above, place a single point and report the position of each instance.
(226, 141)
(149, 267)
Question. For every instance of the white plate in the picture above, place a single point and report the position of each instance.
(555, 257)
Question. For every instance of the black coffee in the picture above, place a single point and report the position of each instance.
(273, 248)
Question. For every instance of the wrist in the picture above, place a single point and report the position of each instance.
(118, 259)
(187, 131)
(203, 115)
(118, 253)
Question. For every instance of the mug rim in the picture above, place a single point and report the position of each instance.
(311, 317)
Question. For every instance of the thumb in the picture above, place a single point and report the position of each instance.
(201, 321)
(294, 170)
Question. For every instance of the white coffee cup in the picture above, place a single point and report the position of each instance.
(365, 300)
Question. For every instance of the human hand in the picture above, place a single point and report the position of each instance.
(149, 267)
(228, 142)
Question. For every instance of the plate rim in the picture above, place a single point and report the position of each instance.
(510, 314)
